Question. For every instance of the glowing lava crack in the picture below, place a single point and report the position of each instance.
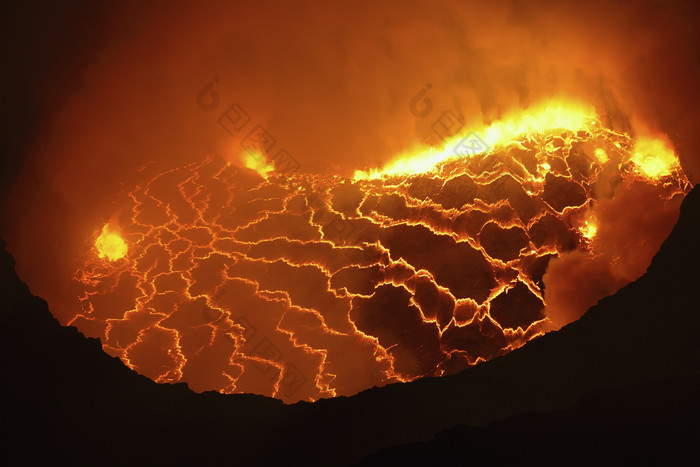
(304, 286)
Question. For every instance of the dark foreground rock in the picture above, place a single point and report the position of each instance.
(627, 370)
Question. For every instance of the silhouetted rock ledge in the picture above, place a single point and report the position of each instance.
(651, 423)
(622, 379)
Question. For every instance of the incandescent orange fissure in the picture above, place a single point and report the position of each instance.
(303, 286)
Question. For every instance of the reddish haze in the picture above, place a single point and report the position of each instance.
(332, 84)
(302, 286)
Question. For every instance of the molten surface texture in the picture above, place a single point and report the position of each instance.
(301, 286)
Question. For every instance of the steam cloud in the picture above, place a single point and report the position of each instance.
(632, 226)
(332, 84)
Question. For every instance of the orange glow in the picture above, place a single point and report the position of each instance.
(654, 157)
(543, 119)
(256, 161)
(110, 245)
(306, 286)
(601, 155)
(589, 229)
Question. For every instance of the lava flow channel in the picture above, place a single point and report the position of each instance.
(302, 286)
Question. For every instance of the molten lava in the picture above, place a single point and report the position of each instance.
(110, 245)
(654, 157)
(303, 286)
(589, 229)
